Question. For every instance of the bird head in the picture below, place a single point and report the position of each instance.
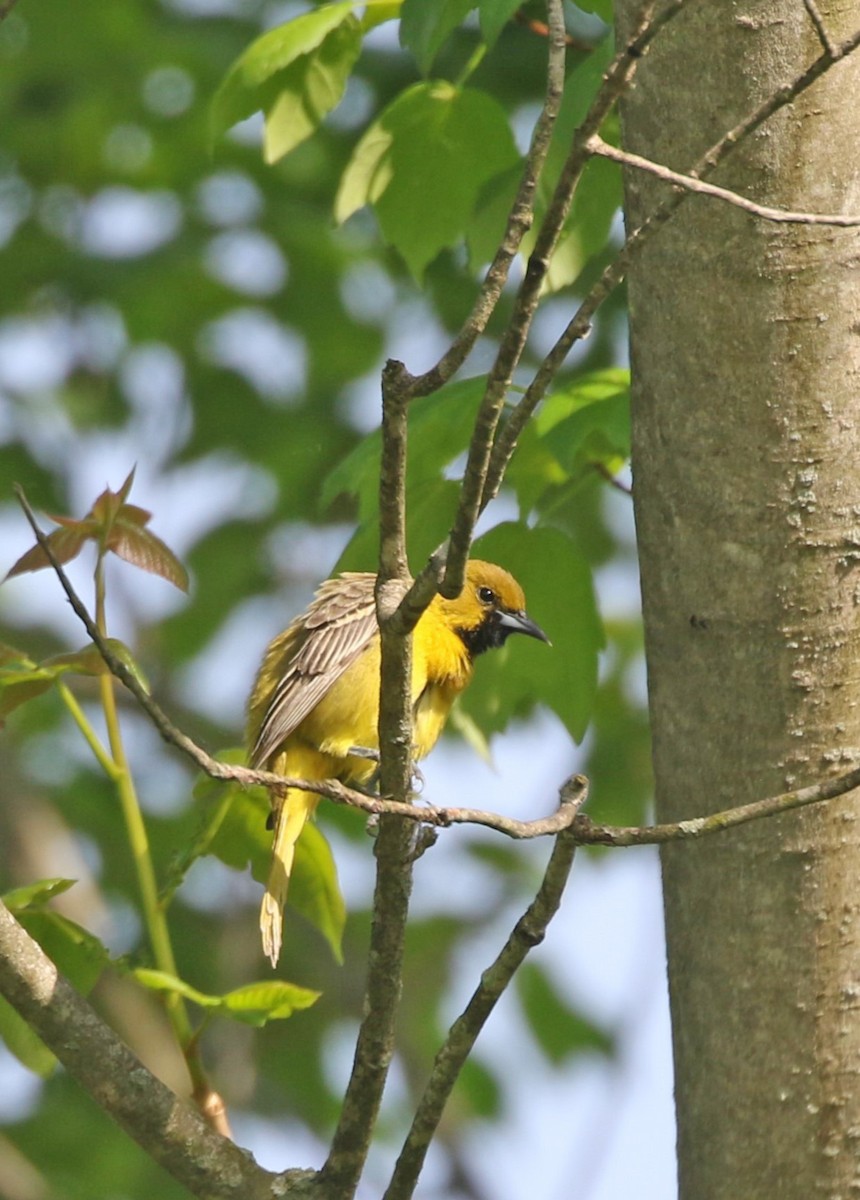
(490, 607)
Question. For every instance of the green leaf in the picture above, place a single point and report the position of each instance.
(254, 1004)
(559, 1029)
(494, 15)
(315, 890)
(439, 428)
(88, 661)
(368, 172)
(294, 73)
(18, 687)
(424, 28)
(271, 1000)
(533, 470)
(9, 654)
(242, 839)
(430, 508)
(589, 422)
(481, 1089)
(560, 597)
(35, 895)
(311, 88)
(213, 801)
(23, 1042)
(377, 12)
(596, 201)
(582, 425)
(487, 226)
(422, 165)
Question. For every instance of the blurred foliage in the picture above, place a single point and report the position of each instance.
(199, 312)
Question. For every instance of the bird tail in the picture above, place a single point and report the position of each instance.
(290, 819)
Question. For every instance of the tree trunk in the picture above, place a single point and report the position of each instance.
(746, 465)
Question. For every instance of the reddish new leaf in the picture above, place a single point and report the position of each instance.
(125, 490)
(66, 544)
(109, 505)
(130, 541)
(134, 514)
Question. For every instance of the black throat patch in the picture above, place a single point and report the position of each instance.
(489, 635)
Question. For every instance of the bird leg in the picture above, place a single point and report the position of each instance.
(363, 752)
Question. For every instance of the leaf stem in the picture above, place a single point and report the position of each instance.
(475, 59)
(153, 914)
(89, 735)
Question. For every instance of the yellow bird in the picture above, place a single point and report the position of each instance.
(314, 709)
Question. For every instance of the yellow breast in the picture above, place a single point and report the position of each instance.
(348, 714)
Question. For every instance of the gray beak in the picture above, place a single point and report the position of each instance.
(521, 622)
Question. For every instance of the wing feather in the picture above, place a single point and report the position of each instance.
(328, 638)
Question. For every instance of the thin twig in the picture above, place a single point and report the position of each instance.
(820, 28)
(580, 324)
(616, 79)
(587, 833)
(604, 150)
(606, 474)
(332, 789)
(528, 932)
(170, 1130)
(779, 99)
(519, 219)
(483, 458)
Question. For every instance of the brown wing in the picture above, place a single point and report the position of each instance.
(316, 650)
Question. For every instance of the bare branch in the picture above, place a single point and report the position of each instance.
(333, 789)
(580, 324)
(616, 79)
(528, 932)
(396, 394)
(779, 99)
(170, 1130)
(588, 834)
(119, 669)
(611, 480)
(519, 220)
(604, 150)
(374, 1047)
(820, 28)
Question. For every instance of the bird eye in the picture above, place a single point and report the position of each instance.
(486, 595)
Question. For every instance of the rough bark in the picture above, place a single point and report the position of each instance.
(745, 351)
